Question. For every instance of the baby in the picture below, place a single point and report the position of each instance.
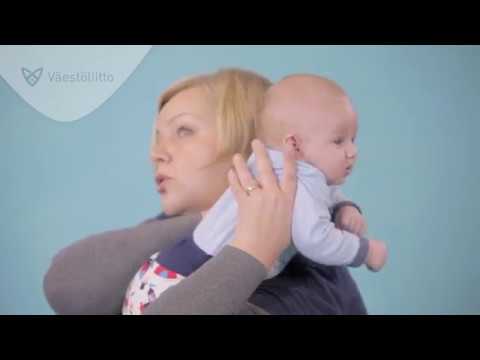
(316, 115)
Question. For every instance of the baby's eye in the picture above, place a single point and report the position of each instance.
(338, 141)
(183, 131)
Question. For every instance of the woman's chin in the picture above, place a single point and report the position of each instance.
(171, 209)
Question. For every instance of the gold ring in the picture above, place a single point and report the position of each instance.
(250, 189)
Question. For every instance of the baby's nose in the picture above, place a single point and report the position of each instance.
(352, 151)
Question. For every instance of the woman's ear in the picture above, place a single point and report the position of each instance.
(294, 141)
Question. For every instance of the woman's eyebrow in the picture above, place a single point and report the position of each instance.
(175, 117)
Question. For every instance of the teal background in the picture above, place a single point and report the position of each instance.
(417, 177)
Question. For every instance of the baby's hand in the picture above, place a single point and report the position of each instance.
(349, 218)
(377, 255)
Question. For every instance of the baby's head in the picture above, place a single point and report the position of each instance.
(316, 115)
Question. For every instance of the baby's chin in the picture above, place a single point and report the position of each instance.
(337, 182)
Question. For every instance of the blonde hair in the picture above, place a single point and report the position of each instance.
(238, 96)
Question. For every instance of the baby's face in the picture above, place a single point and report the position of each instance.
(318, 113)
(329, 144)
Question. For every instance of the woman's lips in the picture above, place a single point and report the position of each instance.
(161, 181)
(161, 185)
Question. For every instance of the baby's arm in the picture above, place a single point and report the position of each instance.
(315, 236)
(346, 214)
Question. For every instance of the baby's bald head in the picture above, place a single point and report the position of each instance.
(301, 104)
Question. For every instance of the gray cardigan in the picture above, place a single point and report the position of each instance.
(91, 276)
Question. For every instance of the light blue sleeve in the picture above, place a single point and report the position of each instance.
(217, 227)
(315, 236)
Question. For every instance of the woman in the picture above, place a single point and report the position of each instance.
(202, 122)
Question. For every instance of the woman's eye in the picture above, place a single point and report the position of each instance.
(183, 131)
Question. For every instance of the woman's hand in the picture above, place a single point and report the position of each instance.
(349, 218)
(265, 209)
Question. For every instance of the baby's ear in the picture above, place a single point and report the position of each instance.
(294, 141)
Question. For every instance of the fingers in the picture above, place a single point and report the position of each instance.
(362, 230)
(338, 222)
(237, 189)
(354, 226)
(243, 172)
(288, 183)
(266, 178)
(264, 165)
(358, 226)
(351, 223)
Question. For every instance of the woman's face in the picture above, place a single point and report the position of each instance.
(188, 175)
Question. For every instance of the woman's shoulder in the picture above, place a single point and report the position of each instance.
(176, 225)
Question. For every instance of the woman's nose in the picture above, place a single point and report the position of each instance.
(159, 155)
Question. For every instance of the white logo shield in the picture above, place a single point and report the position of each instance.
(68, 82)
